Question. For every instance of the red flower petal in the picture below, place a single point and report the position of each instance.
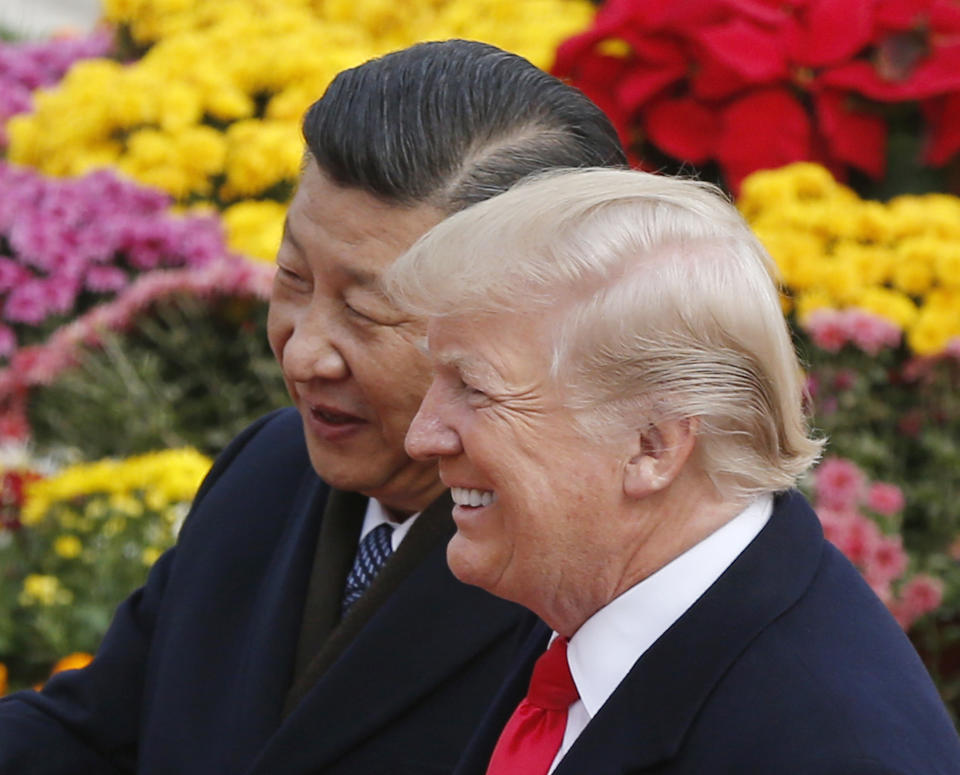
(763, 130)
(569, 53)
(639, 86)
(943, 118)
(661, 50)
(752, 51)
(900, 14)
(586, 68)
(713, 80)
(682, 128)
(853, 137)
(834, 31)
(675, 15)
(944, 17)
(769, 12)
(935, 75)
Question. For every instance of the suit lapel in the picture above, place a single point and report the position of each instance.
(335, 549)
(477, 755)
(430, 624)
(648, 715)
(270, 641)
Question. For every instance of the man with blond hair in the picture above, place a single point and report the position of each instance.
(617, 410)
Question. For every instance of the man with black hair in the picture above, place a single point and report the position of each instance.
(269, 640)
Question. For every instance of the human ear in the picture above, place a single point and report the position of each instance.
(660, 452)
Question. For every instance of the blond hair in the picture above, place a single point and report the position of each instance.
(672, 312)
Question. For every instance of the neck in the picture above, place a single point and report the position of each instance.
(657, 530)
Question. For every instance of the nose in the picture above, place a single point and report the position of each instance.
(311, 352)
(429, 436)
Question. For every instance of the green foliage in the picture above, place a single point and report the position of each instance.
(53, 603)
(190, 372)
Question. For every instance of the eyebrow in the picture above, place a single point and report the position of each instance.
(466, 366)
(288, 236)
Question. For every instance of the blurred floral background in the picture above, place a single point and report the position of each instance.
(144, 171)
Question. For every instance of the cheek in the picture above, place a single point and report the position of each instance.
(279, 328)
(402, 377)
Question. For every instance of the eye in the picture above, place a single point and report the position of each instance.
(475, 396)
(355, 313)
(291, 277)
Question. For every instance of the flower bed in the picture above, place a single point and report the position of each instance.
(207, 120)
(755, 85)
(76, 541)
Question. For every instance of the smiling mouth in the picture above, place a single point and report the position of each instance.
(463, 496)
(331, 417)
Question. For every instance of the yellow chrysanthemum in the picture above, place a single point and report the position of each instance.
(44, 590)
(255, 228)
(150, 555)
(139, 116)
(947, 265)
(899, 260)
(68, 546)
(261, 154)
(171, 476)
(892, 305)
(807, 302)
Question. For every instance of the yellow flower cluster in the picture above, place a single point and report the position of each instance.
(212, 109)
(44, 590)
(158, 480)
(899, 260)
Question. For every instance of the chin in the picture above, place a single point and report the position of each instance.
(338, 470)
(467, 564)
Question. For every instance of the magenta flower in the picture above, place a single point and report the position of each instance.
(885, 499)
(40, 364)
(27, 303)
(839, 483)
(871, 333)
(920, 595)
(77, 241)
(832, 329)
(827, 330)
(887, 562)
(101, 279)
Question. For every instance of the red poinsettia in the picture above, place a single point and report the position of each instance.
(760, 83)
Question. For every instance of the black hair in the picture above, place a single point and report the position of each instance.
(452, 123)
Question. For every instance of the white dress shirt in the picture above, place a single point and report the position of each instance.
(376, 514)
(608, 644)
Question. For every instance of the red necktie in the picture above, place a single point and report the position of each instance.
(530, 740)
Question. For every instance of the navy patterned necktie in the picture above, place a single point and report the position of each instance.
(373, 552)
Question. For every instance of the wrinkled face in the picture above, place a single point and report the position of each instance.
(537, 503)
(348, 357)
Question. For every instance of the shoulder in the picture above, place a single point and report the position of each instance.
(264, 471)
(835, 682)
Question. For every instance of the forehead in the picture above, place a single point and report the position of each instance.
(503, 346)
(334, 227)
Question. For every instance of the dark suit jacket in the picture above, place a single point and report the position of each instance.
(787, 664)
(199, 672)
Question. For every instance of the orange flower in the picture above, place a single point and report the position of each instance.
(72, 662)
(3, 679)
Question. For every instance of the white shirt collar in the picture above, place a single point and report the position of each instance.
(608, 644)
(376, 514)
